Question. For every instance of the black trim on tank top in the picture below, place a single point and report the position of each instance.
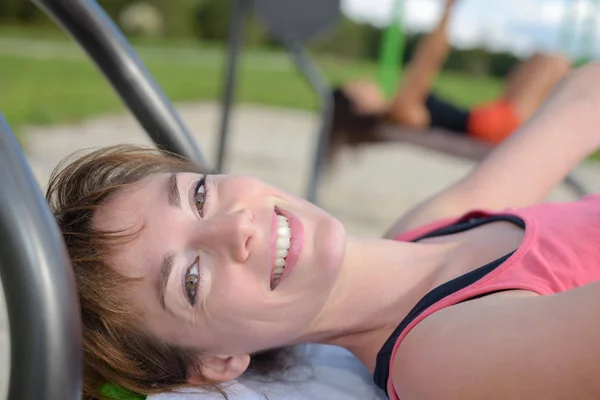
(382, 366)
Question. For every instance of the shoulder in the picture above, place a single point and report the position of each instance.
(415, 233)
(421, 230)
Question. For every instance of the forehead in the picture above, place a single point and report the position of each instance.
(138, 211)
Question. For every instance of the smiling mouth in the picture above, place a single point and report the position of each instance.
(282, 245)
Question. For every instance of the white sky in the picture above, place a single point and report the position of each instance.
(520, 26)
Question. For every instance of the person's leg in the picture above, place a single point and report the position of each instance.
(522, 71)
(506, 347)
(528, 86)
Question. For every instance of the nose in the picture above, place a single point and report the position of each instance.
(228, 234)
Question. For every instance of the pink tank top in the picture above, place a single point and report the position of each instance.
(560, 251)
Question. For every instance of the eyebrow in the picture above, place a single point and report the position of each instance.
(163, 277)
(173, 191)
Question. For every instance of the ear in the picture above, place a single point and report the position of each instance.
(221, 368)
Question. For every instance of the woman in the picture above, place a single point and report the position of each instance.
(185, 279)
(360, 108)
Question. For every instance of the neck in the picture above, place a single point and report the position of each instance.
(381, 280)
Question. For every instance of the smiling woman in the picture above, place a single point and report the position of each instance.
(114, 348)
(198, 239)
(186, 278)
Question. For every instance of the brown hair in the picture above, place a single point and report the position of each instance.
(350, 127)
(115, 349)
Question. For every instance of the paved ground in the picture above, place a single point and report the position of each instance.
(367, 190)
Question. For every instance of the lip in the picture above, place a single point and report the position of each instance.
(296, 243)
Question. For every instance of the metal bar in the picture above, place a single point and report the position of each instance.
(576, 186)
(324, 94)
(97, 34)
(236, 34)
(589, 29)
(43, 309)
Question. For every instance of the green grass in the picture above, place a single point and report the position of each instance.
(38, 90)
(52, 90)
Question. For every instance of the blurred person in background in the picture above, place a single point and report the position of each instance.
(361, 108)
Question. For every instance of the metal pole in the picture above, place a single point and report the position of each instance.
(41, 298)
(324, 94)
(589, 31)
(576, 186)
(89, 25)
(236, 33)
(568, 31)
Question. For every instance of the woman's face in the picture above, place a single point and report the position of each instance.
(228, 264)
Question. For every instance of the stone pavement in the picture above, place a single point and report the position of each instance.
(367, 190)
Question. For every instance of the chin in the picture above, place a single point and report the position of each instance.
(330, 244)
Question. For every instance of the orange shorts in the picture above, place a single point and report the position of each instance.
(493, 122)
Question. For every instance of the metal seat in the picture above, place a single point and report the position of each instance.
(297, 21)
(462, 146)
(41, 298)
(294, 23)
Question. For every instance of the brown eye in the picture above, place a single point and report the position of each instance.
(200, 195)
(191, 283)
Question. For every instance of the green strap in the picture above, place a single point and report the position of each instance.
(118, 393)
(391, 53)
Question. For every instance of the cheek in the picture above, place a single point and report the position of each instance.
(244, 317)
(244, 189)
(333, 247)
(235, 296)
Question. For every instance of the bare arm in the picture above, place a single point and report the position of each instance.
(423, 68)
(505, 347)
(527, 166)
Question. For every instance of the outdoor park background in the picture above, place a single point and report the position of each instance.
(58, 102)
(45, 78)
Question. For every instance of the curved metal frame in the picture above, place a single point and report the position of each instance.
(236, 32)
(324, 93)
(43, 309)
(577, 187)
(97, 34)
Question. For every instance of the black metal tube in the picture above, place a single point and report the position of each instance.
(576, 186)
(89, 25)
(324, 94)
(236, 33)
(43, 309)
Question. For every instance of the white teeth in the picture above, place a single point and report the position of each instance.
(282, 221)
(279, 262)
(283, 231)
(281, 254)
(282, 243)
